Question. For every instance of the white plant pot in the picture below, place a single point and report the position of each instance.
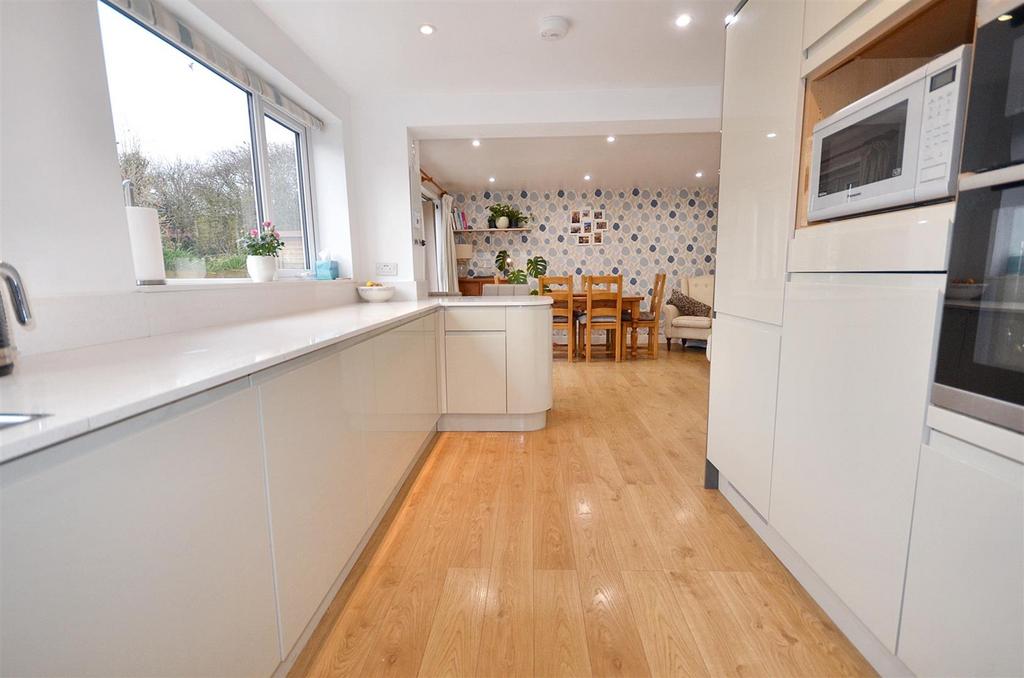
(261, 269)
(501, 222)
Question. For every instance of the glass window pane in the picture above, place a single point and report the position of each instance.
(184, 139)
(284, 192)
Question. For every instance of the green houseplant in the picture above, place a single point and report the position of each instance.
(504, 215)
(535, 268)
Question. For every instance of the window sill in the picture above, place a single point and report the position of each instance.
(194, 284)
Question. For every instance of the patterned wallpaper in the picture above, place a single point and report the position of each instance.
(650, 230)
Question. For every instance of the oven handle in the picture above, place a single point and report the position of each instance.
(1006, 175)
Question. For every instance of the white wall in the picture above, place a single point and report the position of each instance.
(61, 217)
(381, 190)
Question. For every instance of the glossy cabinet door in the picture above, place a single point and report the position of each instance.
(761, 112)
(315, 478)
(142, 549)
(821, 16)
(529, 358)
(405, 405)
(857, 356)
(475, 372)
(741, 409)
(963, 610)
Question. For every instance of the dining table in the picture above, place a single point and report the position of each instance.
(630, 302)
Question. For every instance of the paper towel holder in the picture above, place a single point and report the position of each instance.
(129, 202)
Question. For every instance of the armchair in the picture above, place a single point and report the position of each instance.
(701, 288)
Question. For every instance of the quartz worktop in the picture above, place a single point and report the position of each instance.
(88, 388)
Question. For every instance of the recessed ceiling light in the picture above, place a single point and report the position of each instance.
(699, 175)
(476, 142)
(771, 135)
(730, 19)
(1004, 17)
(683, 20)
(427, 29)
(490, 179)
(611, 140)
(586, 177)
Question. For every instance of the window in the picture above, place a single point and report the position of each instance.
(212, 158)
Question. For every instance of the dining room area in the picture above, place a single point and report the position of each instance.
(620, 231)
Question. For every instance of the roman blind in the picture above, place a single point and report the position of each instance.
(154, 16)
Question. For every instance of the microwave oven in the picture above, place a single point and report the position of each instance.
(899, 145)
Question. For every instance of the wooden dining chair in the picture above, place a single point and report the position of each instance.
(563, 313)
(651, 319)
(604, 311)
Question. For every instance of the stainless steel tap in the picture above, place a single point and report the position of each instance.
(19, 302)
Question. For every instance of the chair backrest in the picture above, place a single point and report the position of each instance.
(559, 288)
(658, 296)
(701, 288)
(604, 298)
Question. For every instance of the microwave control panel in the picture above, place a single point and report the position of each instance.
(942, 126)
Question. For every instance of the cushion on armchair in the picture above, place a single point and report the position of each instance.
(688, 306)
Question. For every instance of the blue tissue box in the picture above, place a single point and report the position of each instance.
(326, 270)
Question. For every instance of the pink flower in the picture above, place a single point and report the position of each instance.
(253, 233)
(267, 226)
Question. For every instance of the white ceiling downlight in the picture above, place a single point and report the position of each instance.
(490, 179)
(476, 143)
(771, 135)
(427, 29)
(553, 27)
(699, 174)
(611, 139)
(730, 18)
(586, 177)
(683, 20)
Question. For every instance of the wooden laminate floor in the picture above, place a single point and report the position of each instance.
(586, 549)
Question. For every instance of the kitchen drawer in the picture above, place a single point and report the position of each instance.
(490, 318)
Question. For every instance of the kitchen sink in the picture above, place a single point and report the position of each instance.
(8, 419)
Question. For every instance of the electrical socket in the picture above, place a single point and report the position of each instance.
(387, 268)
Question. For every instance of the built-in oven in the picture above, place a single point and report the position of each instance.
(994, 133)
(980, 365)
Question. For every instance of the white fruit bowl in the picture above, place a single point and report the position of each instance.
(376, 294)
(965, 291)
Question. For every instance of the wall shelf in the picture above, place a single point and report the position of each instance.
(491, 230)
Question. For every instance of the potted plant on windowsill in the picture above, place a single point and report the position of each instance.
(505, 216)
(261, 246)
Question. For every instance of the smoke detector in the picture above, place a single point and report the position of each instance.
(553, 27)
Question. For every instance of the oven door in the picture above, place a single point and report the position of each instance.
(994, 135)
(868, 160)
(980, 365)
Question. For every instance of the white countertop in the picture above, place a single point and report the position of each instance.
(88, 388)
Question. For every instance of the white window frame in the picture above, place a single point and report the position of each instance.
(258, 108)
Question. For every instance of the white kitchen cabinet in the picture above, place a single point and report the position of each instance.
(475, 372)
(741, 421)
(857, 355)
(316, 469)
(832, 26)
(404, 403)
(963, 610)
(528, 357)
(142, 548)
(761, 113)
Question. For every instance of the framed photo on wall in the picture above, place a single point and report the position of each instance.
(575, 227)
(598, 239)
(574, 217)
(598, 214)
(583, 239)
(588, 226)
(587, 214)
(601, 225)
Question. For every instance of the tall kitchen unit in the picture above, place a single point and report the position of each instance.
(761, 114)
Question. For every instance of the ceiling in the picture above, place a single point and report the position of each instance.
(494, 45)
(636, 160)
